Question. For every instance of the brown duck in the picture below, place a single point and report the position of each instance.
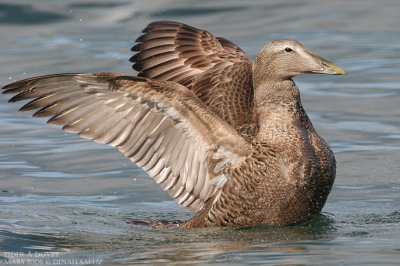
(224, 136)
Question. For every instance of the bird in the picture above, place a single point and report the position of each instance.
(226, 137)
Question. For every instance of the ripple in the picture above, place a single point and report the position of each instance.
(357, 90)
(97, 5)
(185, 12)
(27, 15)
(45, 199)
(7, 165)
(367, 126)
(393, 136)
(57, 174)
(352, 146)
(354, 187)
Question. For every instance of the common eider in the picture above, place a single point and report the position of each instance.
(224, 136)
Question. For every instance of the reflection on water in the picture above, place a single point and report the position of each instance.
(65, 195)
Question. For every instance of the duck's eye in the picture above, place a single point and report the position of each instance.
(288, 49)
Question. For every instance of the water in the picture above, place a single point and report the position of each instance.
(67, 201)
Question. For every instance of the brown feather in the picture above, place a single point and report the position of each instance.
(196, 54)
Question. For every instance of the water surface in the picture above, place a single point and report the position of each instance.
(67, 200)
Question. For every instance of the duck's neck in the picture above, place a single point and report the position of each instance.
(277, 108)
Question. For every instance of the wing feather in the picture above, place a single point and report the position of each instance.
(177, 52)
(161, 126)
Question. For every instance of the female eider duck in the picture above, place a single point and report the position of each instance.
(225, 136)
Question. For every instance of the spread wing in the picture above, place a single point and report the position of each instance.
(214, 68)
(161, 126)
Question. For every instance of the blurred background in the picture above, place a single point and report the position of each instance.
(62, 194)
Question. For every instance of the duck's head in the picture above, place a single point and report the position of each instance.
(284, 59)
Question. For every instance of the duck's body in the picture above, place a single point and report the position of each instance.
(224, 137)
(286, 179)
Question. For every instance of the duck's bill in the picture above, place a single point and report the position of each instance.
(329, 68)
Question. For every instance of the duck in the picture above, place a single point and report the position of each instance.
(226, 137)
